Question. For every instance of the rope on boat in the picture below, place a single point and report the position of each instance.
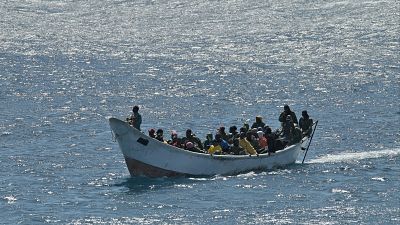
(309, 143)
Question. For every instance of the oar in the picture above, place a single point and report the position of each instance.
(312, 135)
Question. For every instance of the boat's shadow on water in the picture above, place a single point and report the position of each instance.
(143, 184)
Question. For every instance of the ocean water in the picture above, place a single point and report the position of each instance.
(66, 66)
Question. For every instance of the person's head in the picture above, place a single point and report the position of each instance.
(174, 135)
(258, 119)
(189, 145)
(286, 108)
(160, 132)
(304, 114)
(135, 108)
(209, 136)
(243, 130)
(152, 132)
(242, 135)
(268, 130)
(260, 133)
(189, 133)
(221, 130)
(232, 129)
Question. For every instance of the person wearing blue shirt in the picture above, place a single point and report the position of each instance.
(224, 144)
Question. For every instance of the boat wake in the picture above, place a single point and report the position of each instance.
(355, 156)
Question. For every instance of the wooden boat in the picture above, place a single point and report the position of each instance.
(149, 157)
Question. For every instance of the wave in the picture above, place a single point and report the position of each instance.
(355, 156)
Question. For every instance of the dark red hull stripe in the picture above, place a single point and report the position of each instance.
(137, 168)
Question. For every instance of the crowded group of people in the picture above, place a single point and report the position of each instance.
(251, 140)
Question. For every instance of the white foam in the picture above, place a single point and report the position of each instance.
(355, 156)
(10, 199)
(379, 179)
(335, 190)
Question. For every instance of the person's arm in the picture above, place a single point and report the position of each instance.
(282, 117)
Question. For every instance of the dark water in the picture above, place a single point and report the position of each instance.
(67, 66)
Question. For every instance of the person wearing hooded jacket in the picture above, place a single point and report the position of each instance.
(305, 124)
(287, 112)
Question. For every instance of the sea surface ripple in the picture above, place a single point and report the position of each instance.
(67, 66)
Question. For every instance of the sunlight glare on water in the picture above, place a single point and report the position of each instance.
(67, 66)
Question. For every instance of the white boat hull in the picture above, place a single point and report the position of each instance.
(146, 156)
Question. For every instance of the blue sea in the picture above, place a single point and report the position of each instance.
(66, 66)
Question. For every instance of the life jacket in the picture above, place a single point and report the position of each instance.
(214, 149)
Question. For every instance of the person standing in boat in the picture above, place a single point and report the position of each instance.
(287, 112)
(305, 124)
(136, 119)
(291, 132)
(287, 128)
